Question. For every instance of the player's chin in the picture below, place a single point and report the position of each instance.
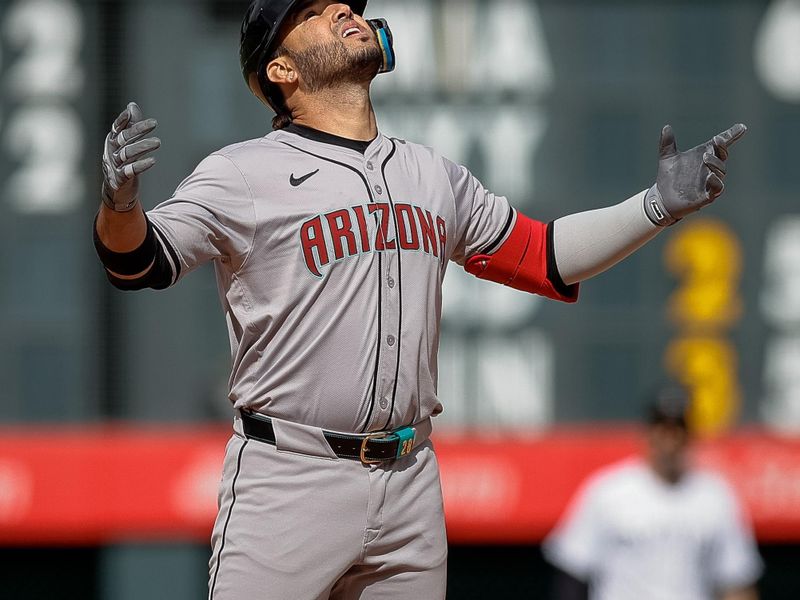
(367, 57)
(360, 42)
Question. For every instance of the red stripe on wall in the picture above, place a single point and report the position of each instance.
(106, 484)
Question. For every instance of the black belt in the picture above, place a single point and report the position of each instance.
(368, 448)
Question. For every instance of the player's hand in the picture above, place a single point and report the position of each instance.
(125, 157)
(689, 180)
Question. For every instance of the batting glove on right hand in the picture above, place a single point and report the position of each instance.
(687, 181)
(124, 157)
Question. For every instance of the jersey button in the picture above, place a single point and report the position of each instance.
(390, 340)
(370, 166)
(390, 282)
(384, 403)
(378, 189)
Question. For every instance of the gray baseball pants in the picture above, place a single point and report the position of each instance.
(296, 522)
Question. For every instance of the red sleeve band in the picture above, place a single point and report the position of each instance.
(525, 261)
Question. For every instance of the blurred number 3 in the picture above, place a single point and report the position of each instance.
(706, 257)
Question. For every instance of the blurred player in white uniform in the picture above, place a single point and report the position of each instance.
(655, 528)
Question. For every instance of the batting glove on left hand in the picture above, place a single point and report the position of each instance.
(124, 157)
(687, 181)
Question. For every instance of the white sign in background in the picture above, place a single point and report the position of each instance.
(42, 133)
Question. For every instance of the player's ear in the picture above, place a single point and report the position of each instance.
(282, 71)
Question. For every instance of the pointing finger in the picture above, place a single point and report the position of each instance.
(728, 138)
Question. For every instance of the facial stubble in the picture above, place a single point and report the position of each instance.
(333, 64)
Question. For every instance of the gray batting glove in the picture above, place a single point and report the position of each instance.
(687, 181)
(124, 157)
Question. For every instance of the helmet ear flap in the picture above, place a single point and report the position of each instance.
(386, 43)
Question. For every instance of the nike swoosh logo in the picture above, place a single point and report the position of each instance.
(295, 181)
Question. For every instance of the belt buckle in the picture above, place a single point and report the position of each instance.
(363, 453)
(405, 443)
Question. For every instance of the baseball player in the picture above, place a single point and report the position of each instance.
(654, 527)
(330, 242)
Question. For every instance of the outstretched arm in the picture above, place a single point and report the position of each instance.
(588, 243)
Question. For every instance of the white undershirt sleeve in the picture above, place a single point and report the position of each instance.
(590, 242)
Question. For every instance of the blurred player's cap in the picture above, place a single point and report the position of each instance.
(669, 405)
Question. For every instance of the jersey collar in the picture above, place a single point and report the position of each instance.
(327, 138)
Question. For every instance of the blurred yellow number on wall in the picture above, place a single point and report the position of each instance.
(706, 257)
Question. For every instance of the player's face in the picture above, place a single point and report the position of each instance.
(330, 45)
(667, 447)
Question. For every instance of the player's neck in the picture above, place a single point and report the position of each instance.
(668, 474)
(344, 112)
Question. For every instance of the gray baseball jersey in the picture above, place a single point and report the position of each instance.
(330, 265)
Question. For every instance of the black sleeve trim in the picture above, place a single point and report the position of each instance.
(173, 254)
(552, 268)
(492, 247)
(127, 263)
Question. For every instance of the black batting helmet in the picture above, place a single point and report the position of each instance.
(260, 27)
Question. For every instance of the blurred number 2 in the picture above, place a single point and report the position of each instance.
(43, 136)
